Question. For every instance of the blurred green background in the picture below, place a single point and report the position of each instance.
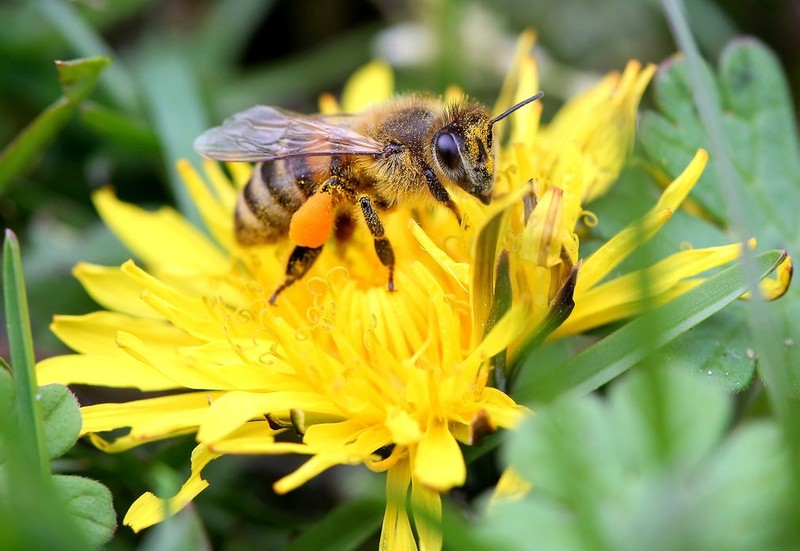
(181, 66)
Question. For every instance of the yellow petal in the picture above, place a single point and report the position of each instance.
(511, 487)
(404, 428)
(371, 84)
(544, 233)
(676, 192)
(216, 214)
(510, 87)
(149, 417)
(773, 288)
(459, 270)
(625, 295)
(526, 120)
(234, 409)
(396, 532)
(95, 333)
(149, 510)
(113, 290)
(161, 239)
(438, 462)
(117, 371)
(225, 189)
(427, 507)
(501, 409)
(498, 339)
(360, 450)
(618, 248)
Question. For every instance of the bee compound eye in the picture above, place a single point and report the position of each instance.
(447, 151)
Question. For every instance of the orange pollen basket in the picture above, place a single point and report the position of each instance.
(311, 225)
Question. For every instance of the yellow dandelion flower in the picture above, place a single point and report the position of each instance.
(394, 381)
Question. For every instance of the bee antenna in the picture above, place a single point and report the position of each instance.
(513, 108)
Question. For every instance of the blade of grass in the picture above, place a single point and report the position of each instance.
(29, 419)
(621, 350)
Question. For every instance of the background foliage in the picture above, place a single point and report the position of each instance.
(164, 71)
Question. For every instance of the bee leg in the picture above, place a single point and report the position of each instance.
(440, 193)
(383, 247)
(300, 261)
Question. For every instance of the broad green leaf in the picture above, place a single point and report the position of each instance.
(89, 503)
(549, 458)
(346, 527)
(62, 419)
(648, 468)
(529, 525)
(657, 417)
(747, 120)
(624, 348)
(720, 348)
(78, 78)
(761, 138)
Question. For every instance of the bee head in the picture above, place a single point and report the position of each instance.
(463, 151)
(463, 148)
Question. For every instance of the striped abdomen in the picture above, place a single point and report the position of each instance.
(274, 193)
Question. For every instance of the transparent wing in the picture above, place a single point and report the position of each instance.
(265, 133)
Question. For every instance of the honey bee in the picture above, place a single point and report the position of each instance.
(312, 168)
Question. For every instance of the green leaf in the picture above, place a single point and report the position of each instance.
(6, 386)
(89, 503)
(648, 468)
(622, 349)
(28, 415)
(117, 127)
(548, 458)
(667, 419)
(346, 527)
(761, 138)
(78, 78)
(721, 348)
(62, 419)
(86, 41)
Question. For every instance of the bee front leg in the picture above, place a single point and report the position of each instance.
(300, 262)
(383, 247)
(440, 193)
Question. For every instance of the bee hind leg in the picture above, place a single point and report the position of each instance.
(383, 248)
(300, 262)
